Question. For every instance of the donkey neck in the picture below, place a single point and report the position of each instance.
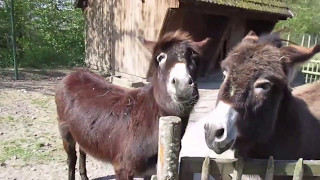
(162, 103)
(159, 99)
(286, 139)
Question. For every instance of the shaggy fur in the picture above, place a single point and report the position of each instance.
(277, 122)
(120, 125)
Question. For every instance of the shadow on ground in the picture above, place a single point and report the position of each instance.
(36, 80)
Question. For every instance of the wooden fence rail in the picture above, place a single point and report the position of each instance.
(169, 167)
(235, 168)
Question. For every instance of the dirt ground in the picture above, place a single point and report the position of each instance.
(30, 144)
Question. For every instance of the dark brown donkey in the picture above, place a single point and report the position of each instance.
(119, 125)
(257, 113)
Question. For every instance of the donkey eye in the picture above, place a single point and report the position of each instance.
(161, 57)
(194, 53)
(225, 73)
(262, 86)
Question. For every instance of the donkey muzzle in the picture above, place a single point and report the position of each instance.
(220, 128)
(216, 139)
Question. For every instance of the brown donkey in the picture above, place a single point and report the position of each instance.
(256, 113)
(119, 125)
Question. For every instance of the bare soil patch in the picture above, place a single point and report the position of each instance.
(30, 144)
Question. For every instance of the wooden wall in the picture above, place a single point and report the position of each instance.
(98, 35)
(133, 19)
(113, 29)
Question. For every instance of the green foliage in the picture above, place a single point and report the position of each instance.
(306, 17)
(49, 33)
(5, 51)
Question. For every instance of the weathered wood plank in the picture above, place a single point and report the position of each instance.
(168, 148)
(131, 20)
(253, 166)
(298, 170)
(186, 170)
(194, 165)
(270, 169)
(205, 174)
(238, 170)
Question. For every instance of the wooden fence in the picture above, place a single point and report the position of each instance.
(311, 71)
(169, 167)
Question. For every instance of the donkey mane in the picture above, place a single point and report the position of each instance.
(169, 39)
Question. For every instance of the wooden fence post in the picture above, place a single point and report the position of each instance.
(270, 169)
(288, 39)
(168, 148)
(238, 170)
(298, 170)
(205, 174)
(302, 41)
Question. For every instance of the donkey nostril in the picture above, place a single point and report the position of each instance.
(190, 81)
(219, 133)
(173, 81)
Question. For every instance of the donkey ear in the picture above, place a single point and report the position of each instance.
(147, 43)
(251, 36)
(298, 54)
(200, 45)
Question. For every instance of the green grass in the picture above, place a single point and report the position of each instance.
(44, 103)
(6, 119)
(25, 149)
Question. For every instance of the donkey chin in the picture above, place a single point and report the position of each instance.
(220, 147)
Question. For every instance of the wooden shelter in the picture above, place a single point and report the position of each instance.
(113, 28)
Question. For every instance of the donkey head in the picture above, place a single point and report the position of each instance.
(175, 59)
(256, 80)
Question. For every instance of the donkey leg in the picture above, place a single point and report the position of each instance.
(82, 165)
(124, 175)
(69, 145)
(70, 148)
(121, 172)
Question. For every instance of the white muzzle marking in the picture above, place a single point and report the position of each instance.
(220, 127)
(180, 76)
